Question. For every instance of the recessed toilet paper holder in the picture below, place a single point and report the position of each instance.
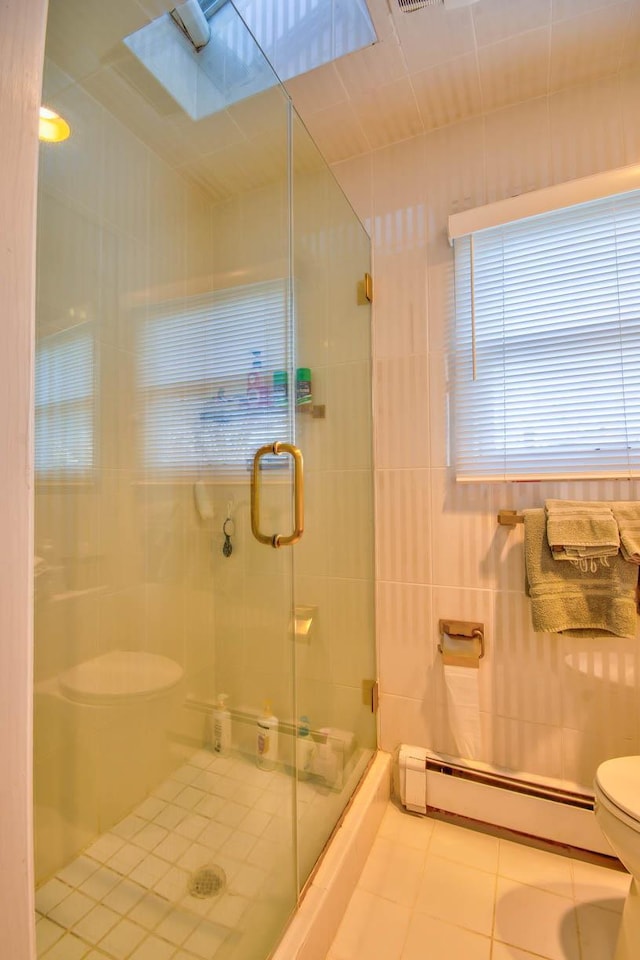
(462, 630)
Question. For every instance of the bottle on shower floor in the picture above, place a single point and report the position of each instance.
(267, 739)
(305, 749)
(221, 726)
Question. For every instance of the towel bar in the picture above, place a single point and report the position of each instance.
(509, 518)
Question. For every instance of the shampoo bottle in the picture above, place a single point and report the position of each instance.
(267, 739)
(221, 726)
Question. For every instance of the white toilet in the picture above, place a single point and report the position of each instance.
(617, 792)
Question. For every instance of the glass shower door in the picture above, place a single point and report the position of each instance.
(163, 326)
(200, 721)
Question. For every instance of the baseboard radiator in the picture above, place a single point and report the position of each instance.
(429, 781)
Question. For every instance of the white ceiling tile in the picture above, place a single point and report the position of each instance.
(240, 167)
(586, 134)
(448, 92)
(201, 137)
(562, 9)
(514, 69)
(316, 90)
(382, 20)
(266, 112)
(434, 35)
(82, 34)
(372, 67)
(496, 20)
(590, 46)
(518, 149)
(430, 68)
(338, 132)
(389, 113)
(138, 114)
(53, 80)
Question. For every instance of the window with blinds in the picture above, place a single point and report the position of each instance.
(211, 380)
(64, 405)
(546, 345)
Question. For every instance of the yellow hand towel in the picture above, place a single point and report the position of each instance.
(627, 515)
(578, 528)
(587, 597)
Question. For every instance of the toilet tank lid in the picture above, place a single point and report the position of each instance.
(619, 780)
(120, 675)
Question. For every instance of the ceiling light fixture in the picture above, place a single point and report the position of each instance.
(52, 127)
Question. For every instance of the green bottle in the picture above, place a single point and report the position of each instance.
(303, 386)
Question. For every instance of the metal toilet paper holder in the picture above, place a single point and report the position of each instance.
(462, 630)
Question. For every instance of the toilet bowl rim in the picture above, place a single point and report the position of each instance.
(614, 809)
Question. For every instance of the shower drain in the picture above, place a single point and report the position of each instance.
(207, 882)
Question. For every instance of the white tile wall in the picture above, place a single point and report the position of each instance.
(440, 552)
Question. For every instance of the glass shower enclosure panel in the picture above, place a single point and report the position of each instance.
(333, 564)
(204, 512)
(164, 335)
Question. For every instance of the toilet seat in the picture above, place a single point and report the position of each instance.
(618, 782)
(120, 676)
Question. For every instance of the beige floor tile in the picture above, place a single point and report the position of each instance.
(598, 932)
(502, 951)
(470, 847)
(593, 883)
(538, 868)
(457, 894)
(393, 871)
(436, 940)
(403, 827)
(535, 920)
(373, 928)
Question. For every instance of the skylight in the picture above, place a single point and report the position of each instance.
(294, 35)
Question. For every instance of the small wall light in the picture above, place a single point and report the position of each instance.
(52, 127)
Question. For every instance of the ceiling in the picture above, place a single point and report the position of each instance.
(434, 66)
(430, 68)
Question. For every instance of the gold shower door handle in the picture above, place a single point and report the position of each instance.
(277, 539)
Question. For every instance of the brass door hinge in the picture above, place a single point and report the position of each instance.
(365, 290)
(370, 694)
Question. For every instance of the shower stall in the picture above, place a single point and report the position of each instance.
(204, 503)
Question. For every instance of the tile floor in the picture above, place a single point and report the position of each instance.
(126, 896)
(432, 890)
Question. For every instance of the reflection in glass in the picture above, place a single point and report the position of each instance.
(173, 236)
(64, 404)
(207, 375)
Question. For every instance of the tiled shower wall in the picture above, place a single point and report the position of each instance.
(440, 552)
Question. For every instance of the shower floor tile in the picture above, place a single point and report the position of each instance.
(467, 894)
(126, 897)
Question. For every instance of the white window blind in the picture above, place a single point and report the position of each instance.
(548, 312)
(206, 380)
(64, 405)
